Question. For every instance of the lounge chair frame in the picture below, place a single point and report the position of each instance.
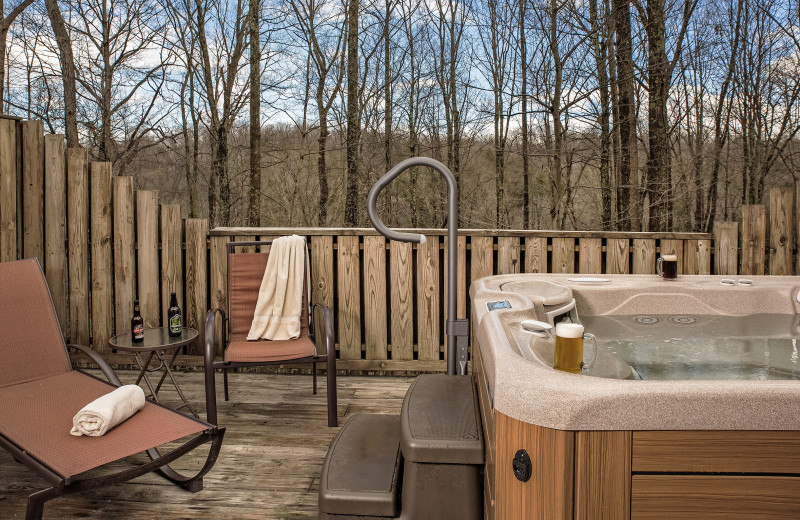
(212, 364)
(159, 463)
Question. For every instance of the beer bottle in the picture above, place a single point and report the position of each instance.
(137, 324)
(174, 317)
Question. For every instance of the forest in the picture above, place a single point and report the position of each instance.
(640, 115)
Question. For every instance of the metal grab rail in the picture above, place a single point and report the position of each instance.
(457, 330)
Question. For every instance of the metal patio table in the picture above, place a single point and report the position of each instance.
(156, 343)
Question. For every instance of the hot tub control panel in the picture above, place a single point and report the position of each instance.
(502, 304)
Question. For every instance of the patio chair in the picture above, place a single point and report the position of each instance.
(40, 393)
(245, 271)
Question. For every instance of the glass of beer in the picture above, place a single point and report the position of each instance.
(667, 267)
(569, 348)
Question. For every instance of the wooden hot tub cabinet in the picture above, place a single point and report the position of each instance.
(620, 475)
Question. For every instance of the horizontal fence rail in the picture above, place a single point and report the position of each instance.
(102, 244)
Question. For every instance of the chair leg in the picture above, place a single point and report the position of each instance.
(225, 381)
(314, 374)
(36, 503)
(333, 407)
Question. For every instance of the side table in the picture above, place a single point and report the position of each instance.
(156, 343)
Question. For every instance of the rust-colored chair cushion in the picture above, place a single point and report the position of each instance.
(29, 328)
(37, 417)
(245, 275)
(263, 350)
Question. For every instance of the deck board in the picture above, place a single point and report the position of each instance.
(276, 440)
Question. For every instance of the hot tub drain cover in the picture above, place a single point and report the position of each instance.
(683, 320)
(646, 320)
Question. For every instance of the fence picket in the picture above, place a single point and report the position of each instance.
(8, 189)
(644, 256)
(33, 190)
(147, 252)
(55, 219)
(726, 252)
(536, 255)
(402, 304)
(171, 258)
(349, 298)
(781, 237)
(563, 255)
(754, 238)
(375, 333)
(674, 247)
(124, 253)
(618, 255)
(102, 304)
(428, 299)
(322, 288)
(78, 237)
(196, 280)
(590, 258)
(508, 255)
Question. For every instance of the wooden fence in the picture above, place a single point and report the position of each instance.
(102, 244)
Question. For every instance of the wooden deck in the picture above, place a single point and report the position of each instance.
(269, 467)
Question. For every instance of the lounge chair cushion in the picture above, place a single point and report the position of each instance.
(37, 417)
(264, 350)
(28, 327)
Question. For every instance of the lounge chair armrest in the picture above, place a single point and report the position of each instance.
(102, 363)
(208, 362)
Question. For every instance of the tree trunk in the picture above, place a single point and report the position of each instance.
(523, 48)
(599, 39)
(628, 159)
(353, 125)
(254, 203)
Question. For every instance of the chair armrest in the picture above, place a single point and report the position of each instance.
(330, 334)
(208, 363)
(100, 362)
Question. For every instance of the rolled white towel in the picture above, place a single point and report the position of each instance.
(107, 411)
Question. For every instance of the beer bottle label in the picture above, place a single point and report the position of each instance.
(138, 331)
(175, 325)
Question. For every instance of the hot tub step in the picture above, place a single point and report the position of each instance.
(440, 421)
(360, 475)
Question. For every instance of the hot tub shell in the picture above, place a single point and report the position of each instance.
(615, 448)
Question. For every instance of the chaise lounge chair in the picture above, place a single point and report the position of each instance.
(40, 393)
(245, 272)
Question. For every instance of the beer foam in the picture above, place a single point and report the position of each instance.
(569, 330)
(669, 258)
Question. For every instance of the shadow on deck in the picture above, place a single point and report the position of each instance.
(269, 467)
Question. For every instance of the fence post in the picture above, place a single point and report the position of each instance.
(754, 238)
(8, 189)
(781, 238)
(55, 219)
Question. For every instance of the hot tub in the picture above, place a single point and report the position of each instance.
(693, 402)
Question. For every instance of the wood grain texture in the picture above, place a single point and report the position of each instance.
(781, 234)
(674, 247)
(218, 279)
(508, 257)
(78, 243)
(672, 497)
(716, 451)
(148, 272)
(349, 293)
(482, 257)
(590, 256)
(124, 253)
(33, 189)
(171, 258)
(644, 256)
(602, 475)
(428, 330)
(402, 300)
(196, 231)
(618, 255)
(322, 285)
(726, 248)
(489, 436)
(535, 254)
(55, 220)
(563, 255)
(697, 257)
(548, 494)
(754, 238)
(8, 190)
(102, 280)
(375, 328)
(462, 287)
